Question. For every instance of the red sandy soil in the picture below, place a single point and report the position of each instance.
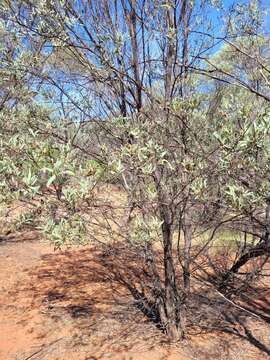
(68, 305)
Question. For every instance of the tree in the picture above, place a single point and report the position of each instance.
(121, 94)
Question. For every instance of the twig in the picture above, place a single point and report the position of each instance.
(230, 301)
(40, 350)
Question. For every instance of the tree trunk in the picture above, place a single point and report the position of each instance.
(187, 229)
(171, 52)
(259, 250)
(158, 292)
(267, 225)
(131, 18)
(254, 232)
(173, 327)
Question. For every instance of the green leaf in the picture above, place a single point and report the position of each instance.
(51, 180)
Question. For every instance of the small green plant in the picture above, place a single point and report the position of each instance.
(67, 231)
(26, 220)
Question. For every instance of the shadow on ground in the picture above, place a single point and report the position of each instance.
(100, 296)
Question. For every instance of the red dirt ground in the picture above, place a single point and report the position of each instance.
(68, 305)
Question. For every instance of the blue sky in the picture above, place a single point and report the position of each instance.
(213, 14)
